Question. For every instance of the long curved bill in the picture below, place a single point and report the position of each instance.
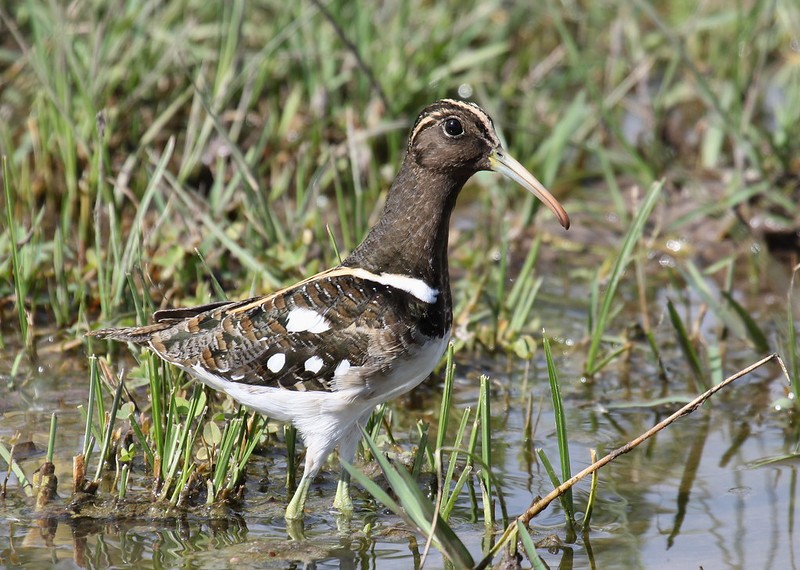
(508, 166)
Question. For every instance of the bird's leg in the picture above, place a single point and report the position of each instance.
(295, 528)
(317, 450)
(347, 452)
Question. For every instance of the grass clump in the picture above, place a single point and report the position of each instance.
(150, 134)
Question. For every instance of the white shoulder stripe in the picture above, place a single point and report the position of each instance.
(416, 287)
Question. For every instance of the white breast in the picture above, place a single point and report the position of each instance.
(407, 373)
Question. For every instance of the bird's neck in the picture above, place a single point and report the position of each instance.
(411, 236)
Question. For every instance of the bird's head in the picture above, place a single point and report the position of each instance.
(459, 139)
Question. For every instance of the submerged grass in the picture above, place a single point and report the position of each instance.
(686, 344)
(191, 460)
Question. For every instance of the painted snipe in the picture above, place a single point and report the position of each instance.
(323, 353)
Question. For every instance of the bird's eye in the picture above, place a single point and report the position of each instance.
(453, 128)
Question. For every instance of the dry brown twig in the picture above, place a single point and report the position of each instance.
(542, 503)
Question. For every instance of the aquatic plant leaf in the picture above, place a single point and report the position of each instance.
(754, 332)
(686, 344)
(529, 546)
(416, 509)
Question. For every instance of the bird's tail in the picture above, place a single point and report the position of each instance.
(136, 335)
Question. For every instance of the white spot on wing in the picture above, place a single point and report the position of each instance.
(342, 368)
(276, 362)
(314, 364)
(416, 287)
(302, 320)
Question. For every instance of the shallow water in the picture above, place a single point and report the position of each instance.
(693, 496)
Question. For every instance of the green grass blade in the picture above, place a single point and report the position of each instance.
(120, 273)
(51, 441)
(633, 235)
(686, 344)
(561, 431)
(109, 430)
(485, 414)
(530, 547)
(416, 507)
(698, 282)
(423, 450)
(554, 480)
(450, 504)
(7, 456)
(447, 398)
(522, 283)
(374, 489)
(793, 348)
(94, 385)
(754, 332)
(587, 517)
(453, 458)
(290, 437)
(250, 439)
(20, 286)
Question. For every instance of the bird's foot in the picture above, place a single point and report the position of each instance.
(295, 529)
(343, 503)
(295, 510)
